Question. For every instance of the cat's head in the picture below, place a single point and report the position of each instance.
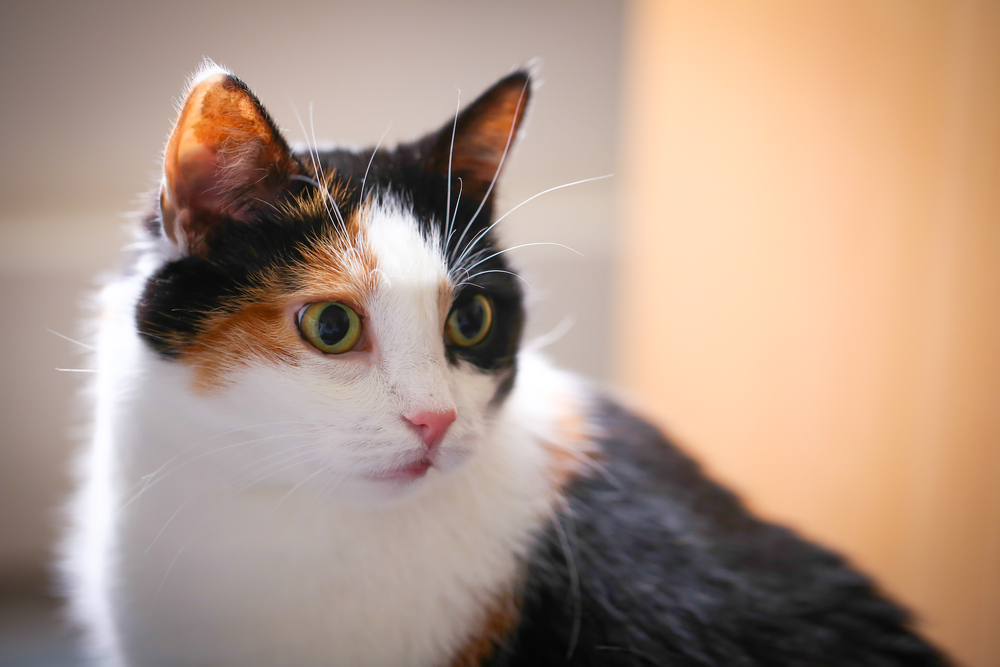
(359, 294)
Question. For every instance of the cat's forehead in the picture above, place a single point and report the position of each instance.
(403, 249)
(388, 263)
(349, 249)
(404, 226)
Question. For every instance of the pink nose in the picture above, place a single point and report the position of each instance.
(430, 426)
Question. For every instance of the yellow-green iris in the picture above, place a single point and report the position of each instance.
(469, 323)
(330, 327)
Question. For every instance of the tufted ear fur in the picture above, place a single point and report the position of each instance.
(483, 134)
(223, 159)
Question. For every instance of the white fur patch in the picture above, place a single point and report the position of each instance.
(243, 527)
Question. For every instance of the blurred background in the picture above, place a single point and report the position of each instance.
(795, 269)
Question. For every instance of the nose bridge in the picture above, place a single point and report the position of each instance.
(413, 358)
(421, 384)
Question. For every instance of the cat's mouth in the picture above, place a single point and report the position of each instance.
(407, 473)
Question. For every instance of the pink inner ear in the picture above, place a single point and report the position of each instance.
(197, 178)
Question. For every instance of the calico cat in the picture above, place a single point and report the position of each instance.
(316, 441)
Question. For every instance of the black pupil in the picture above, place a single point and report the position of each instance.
(333, 324)
(470, 318)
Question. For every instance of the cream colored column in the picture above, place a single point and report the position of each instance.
(810, 290)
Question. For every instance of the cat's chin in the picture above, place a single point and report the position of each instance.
(385, 488)
(391, 485)
(403, 475)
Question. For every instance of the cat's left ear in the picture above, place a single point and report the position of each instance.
(475, 146)
(224, 159)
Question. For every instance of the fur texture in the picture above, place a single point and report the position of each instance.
(250, 500)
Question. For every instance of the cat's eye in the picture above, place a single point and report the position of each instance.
(330, 327)
(469, 322)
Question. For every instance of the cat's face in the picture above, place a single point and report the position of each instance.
(382, 323)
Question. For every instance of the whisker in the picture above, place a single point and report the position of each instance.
(256, 462)
(553, 335)
(486, 231)
(322, 176)
(451, 152)
(83, 345)
(307, 179)
(264, 201)
(77, 370)
(468, 281)
(153, 478)
(314, 158)
(215, 475)
(208, 481)
(258, 480)
(523, 245)
(293, 489)
(305, 135)
(170, 567)
(168, 522)
(325, 490)
(361, 197)
(458, 200)
(496, 174)
(574, 579)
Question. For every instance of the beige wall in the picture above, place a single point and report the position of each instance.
(811, 276)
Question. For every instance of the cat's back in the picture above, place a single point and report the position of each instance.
(651, 562)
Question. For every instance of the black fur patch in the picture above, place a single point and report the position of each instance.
(669, 568)
(504, 388)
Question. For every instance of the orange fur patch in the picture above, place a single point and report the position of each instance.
(573, 450)
(446, 291)
(259, 329)
(342, 266)
(497, 625)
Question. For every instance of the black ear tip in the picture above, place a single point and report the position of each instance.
(530, 73)
(518, 84)
(519, 78)
(522, 75)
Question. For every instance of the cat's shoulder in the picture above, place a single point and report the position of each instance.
(648, 560)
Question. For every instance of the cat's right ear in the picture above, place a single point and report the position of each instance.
(224, 158)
